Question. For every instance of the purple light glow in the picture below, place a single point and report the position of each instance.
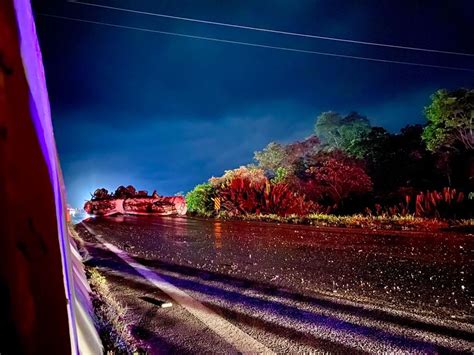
(41, 115)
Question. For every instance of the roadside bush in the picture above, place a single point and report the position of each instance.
(281, 174)
(449, 203)
(199, 200)
(252, 174)
(242, 195)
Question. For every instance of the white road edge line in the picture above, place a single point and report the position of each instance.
(240, 340)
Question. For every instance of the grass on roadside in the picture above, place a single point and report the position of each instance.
(111, 317)
(408, 222)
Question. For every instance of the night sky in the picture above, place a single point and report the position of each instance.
(163, 112)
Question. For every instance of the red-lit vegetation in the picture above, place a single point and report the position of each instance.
(333, 178)
(447, 203)
(349, 167)
(244, 195)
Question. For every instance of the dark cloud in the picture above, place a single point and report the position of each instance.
(164, 112)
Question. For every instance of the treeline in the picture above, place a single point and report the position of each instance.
(348, 166)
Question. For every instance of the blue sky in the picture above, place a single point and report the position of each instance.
(166, 113)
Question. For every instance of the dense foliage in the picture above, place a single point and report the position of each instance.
(244, 191)
(338, 132)
(447, 203)
(200, 199)
(336, 179)
(348, 166)
(450, 120)
(289, 157)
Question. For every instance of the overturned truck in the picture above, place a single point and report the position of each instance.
(126, 200)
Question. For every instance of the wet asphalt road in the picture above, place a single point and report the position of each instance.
(293, 288)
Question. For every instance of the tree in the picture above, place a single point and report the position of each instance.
(271, 157)
(397, 160)
(298, 154)
(370, 145)
(335, 177)
(450, 120)
(337, 132)
(353, 128)
(199, 200)
(327, 128)
(302, 149)
(275, 156)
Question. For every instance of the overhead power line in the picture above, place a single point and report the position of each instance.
(260, 29)
(212, 39)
